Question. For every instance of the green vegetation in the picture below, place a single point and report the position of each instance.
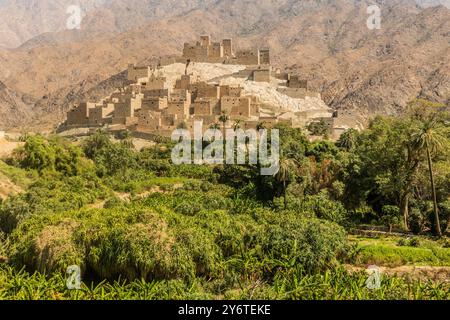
(142, 228)
(394, 251)
(391, 166)
(334, 284)
(19, 177)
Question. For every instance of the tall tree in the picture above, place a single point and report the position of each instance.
(261, 125)
(237, 124)
(430, 139)
(384, 165)
(288, 168)
(224, 119)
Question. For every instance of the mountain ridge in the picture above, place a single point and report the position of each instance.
(359, 71)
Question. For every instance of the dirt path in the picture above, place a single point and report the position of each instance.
(411, 272)
(7, 147)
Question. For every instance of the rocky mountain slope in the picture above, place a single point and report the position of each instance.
(359, 71)
(35, 21)
(15, 108)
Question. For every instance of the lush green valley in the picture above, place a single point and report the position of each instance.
(141, 227)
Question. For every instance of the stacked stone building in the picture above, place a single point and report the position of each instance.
(223, 52)
(149, 104)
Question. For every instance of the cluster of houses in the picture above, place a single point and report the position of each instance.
(148, 103)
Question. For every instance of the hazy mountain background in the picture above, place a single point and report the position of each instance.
(44, 68)
(22, 20)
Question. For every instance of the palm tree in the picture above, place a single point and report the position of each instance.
(261, 125)
(288, 167)
(223, 118)
(215, 126)
(430, 138)
(237, 124)
(97, 142)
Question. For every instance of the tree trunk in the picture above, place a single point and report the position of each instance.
(448, 224)
(433, 191)
(404, 204)
(223, 131)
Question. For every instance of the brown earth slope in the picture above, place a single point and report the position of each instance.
(358, 70)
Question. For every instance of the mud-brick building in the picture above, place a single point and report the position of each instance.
(79, 115)
(154, 103)
(101, 114)
(135, 73)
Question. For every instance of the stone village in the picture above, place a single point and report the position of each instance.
(149, 105)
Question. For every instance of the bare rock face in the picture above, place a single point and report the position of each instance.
(359, 71)
(14, 108)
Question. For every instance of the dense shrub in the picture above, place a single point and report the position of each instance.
(12, 211)
(309, 243)
(171, 236)
(54, 154)
(320, 206)
(391, 216)
(51, 193)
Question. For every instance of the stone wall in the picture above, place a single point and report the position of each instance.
(264, 56)
(215, 50)
(248, 57)
(226, 90)
(78, 115)
(98, 114)
(205, 90)
(123, 110)
(183, 83)
(236, 106)
(205, 41)
(269, 122)
(154, 103)
(135, 73)
(154, 83)
(156, 93)
(203, 107)
(179, 108)
(255, 106)
(149, 120)
(181, 95)
(261, 75)
(227, 47)
(205, 50)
